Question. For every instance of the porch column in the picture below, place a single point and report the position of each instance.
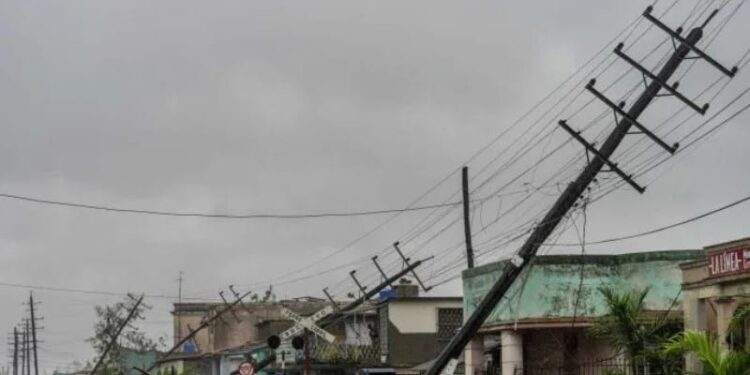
(694, 314)
(511, 343)
(724, 312)
(474, 355)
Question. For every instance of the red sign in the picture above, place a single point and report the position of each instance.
(729, 261)
(246, 368)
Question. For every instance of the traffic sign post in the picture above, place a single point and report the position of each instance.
(288, 340)
(306, 322)
(246, 368)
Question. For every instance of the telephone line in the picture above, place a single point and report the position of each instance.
(667, 227)
(221, 216)
(88, 291)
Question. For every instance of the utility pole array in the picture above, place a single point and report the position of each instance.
(24, 341)
(447, 359)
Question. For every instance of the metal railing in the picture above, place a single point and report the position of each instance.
(323, 352)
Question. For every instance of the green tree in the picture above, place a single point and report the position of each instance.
(109, 319)
(738, 326)
(715, 360)
(628, 330)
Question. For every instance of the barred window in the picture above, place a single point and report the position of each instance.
(449, 322)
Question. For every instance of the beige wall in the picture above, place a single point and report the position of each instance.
(419, 316)
(229, 332)
(185, 321)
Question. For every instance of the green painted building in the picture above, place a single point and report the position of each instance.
(542, 320)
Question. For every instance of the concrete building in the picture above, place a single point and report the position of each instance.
(541, 326)
(413, 329)
(714, 286)
(242, 334)
(400, 330)
(247, 324)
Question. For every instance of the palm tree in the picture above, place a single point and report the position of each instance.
(628, 331)
(738, 325)
(715, 360)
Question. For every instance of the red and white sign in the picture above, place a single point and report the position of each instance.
(246, 368)
(729, 261)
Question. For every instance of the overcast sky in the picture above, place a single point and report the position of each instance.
(302, 107)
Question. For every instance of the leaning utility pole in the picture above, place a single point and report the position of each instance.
(467, 218)
(367, 294)
(447, 359)
(204, 324)
(117, 334)
(33, 333)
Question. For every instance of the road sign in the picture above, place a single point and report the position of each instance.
(300, 323)
(246, 368)
(285, 353)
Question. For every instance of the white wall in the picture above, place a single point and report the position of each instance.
(418, 316)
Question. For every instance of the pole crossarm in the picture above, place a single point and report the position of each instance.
(352, 305)
(593, 150)
(361, 288)
(380, 269)
(413, 272)
(231, 311)
(618, 109)
(676, 35)
(330, 299)
(662, 83)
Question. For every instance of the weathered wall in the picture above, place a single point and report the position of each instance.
(410, 349)
(188, 316)
(550, 285)
(229, 332)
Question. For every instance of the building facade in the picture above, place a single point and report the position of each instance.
(541, 326)
(241, 334)
(713, 288)
(248, 323)
(413, 329)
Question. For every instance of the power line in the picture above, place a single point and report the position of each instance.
(86, 291)
(630, 27)
(661, 229)
(221, 216)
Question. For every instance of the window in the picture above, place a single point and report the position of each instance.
(449, 321)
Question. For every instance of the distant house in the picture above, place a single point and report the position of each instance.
(714, 288)
(541, 326)
(399, 330)
(241, 335)
(413, 329)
